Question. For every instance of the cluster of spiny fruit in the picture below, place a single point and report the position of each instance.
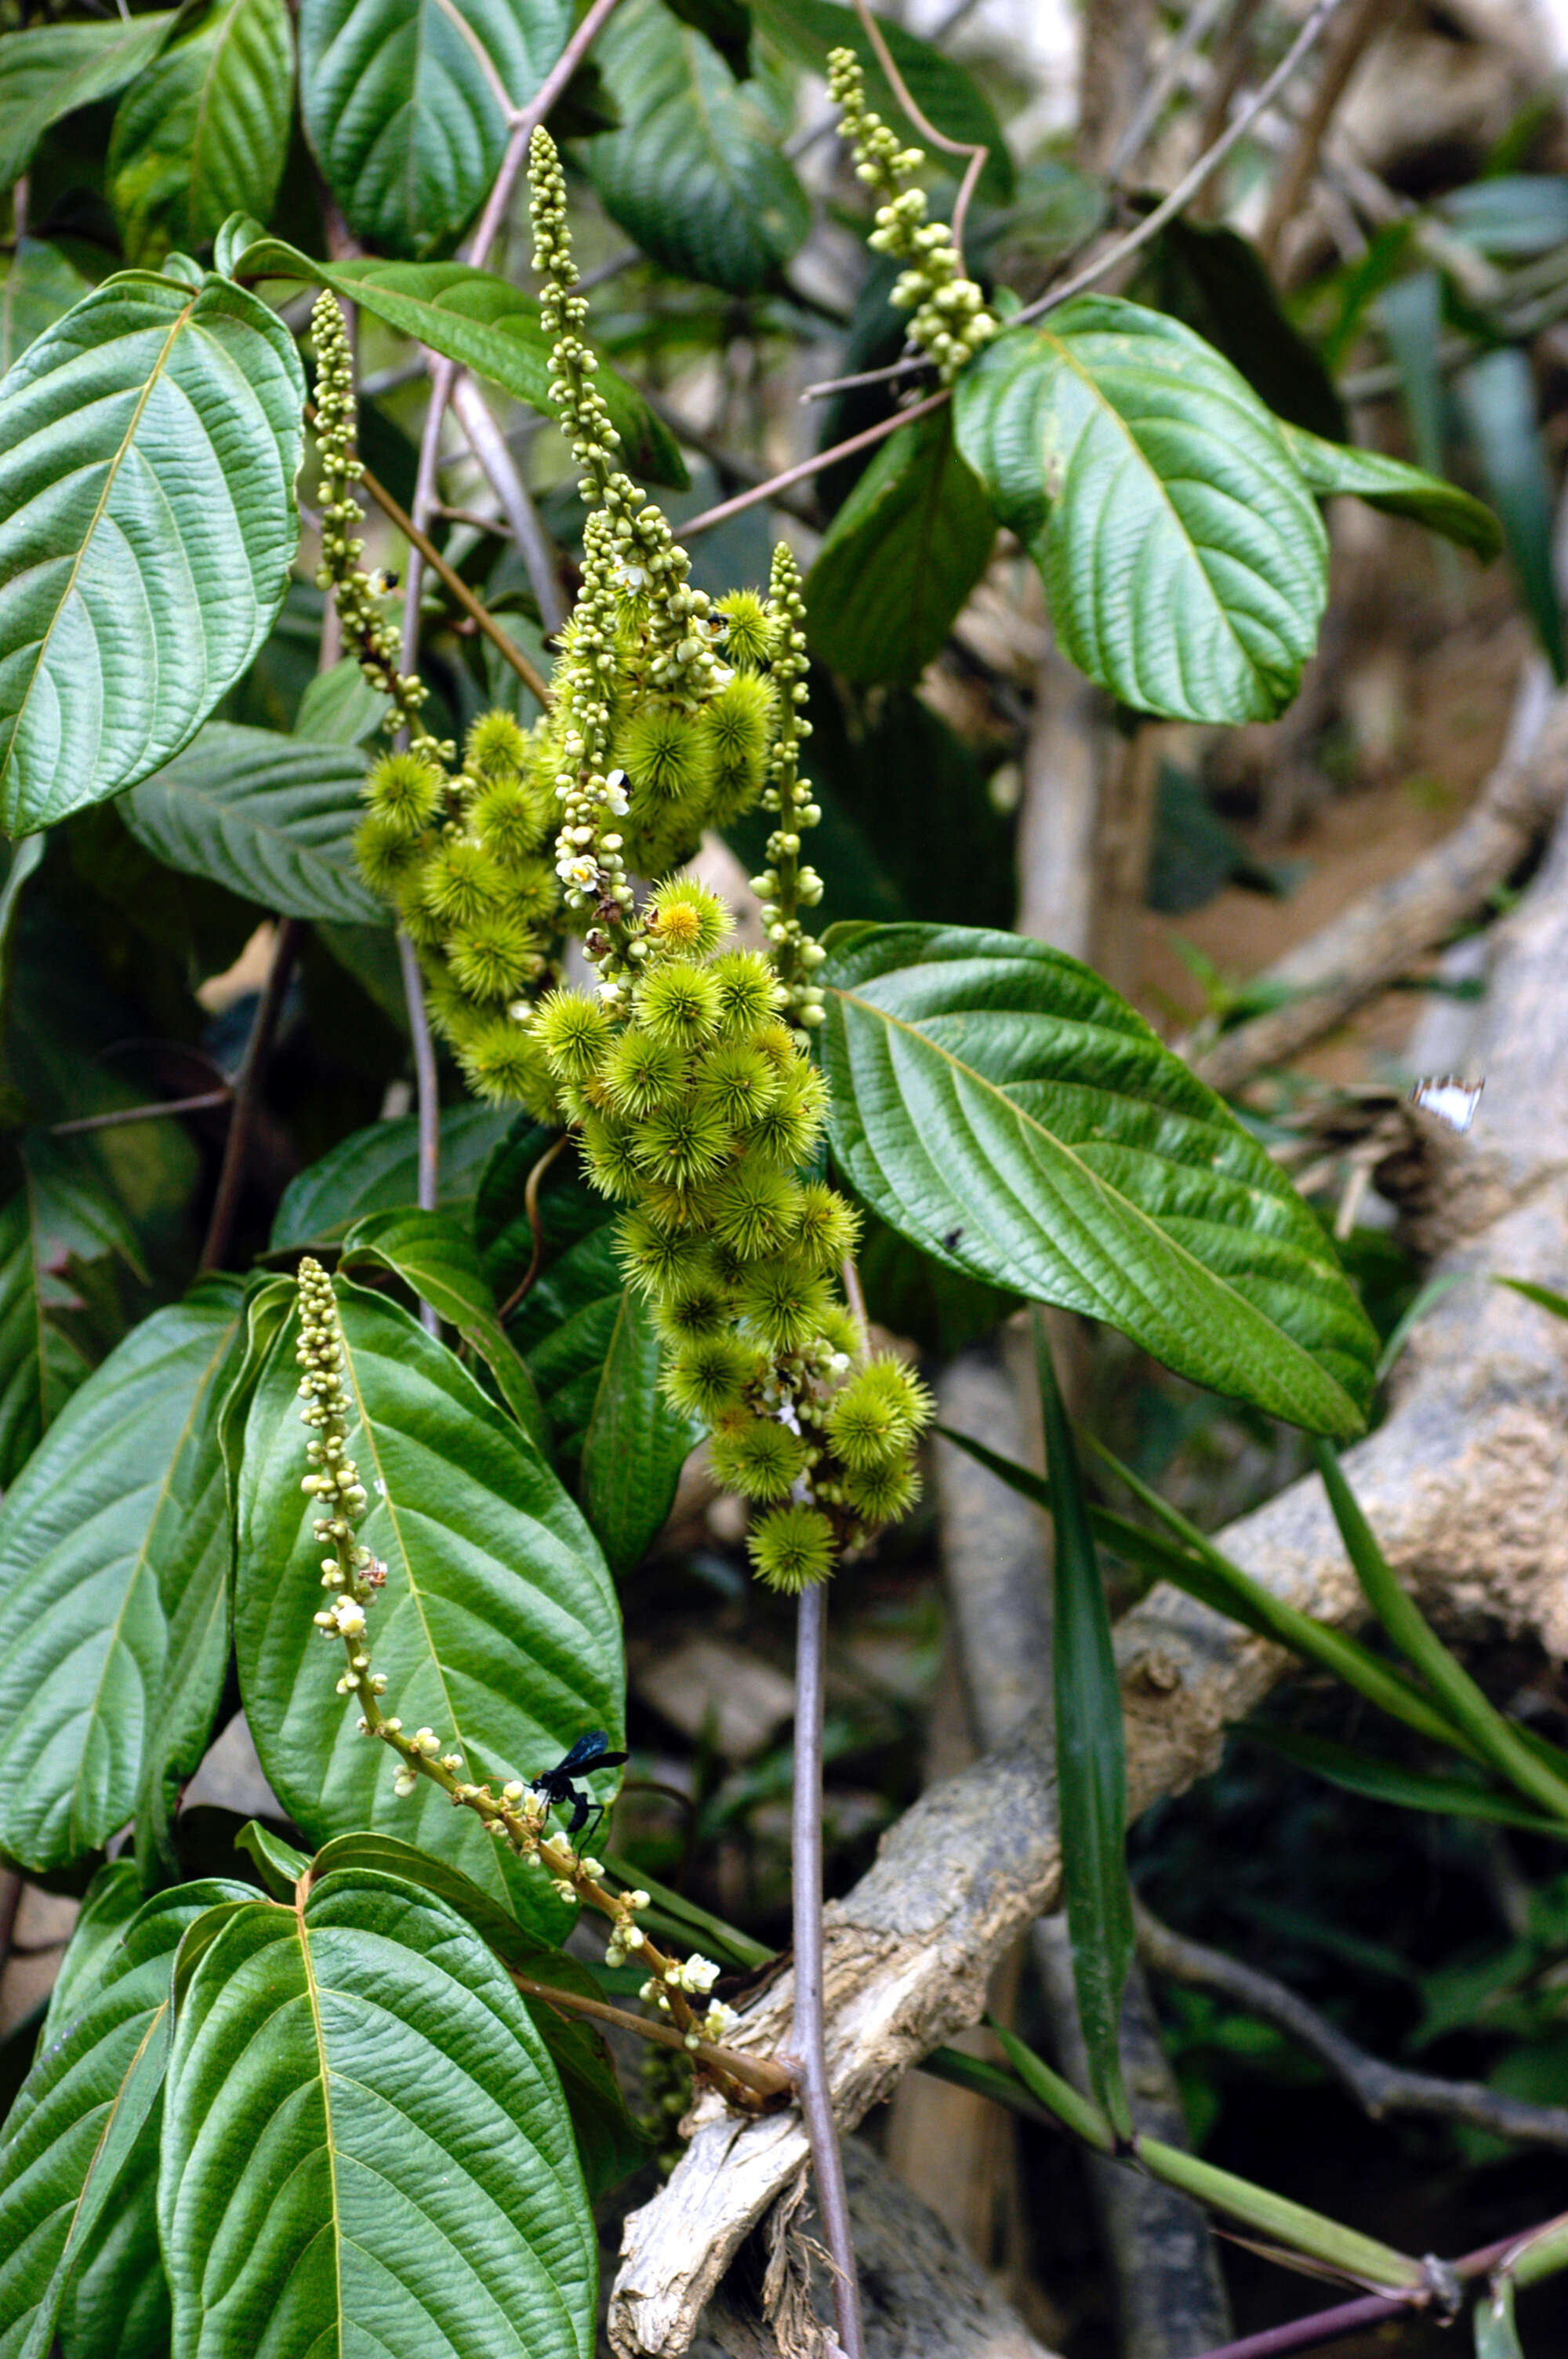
(698, 1107)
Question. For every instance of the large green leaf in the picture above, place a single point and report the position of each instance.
(434, 1255)
(1183, 558)
(476, 318)
(78, 2136)
(695, 173)
(402, 105)
(54, 69)
(38, 286)
(634, 1444)
(63, 1212)
(113, 1548)
(497, 1627)
(1217, 284)
(149, 446)
(1496, 395)
(1399, 490)
(951, 99)
(204, 132)
(900, 557)
(377, 1170)
(999, 1106)
(364, 2144)
(272, 817)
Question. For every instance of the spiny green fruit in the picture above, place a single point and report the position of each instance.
(710, 1374)
(787, 1131)
(741, 1081)
(511, 819)
(750, 996)
(662, 1263)
(684, 1142)
(754, 1208)
(739, 722)
(881, 1495)
(678, 1002)
(406, 789)
(792, 1549)
(641, 1073)
(826, 1228)
(574, 1032)
(757, 1457)
(462, 880)
(683, 918)
(665, 752)
(495, 748)
(385, 852)
(496, 957)
(690, 1307)
(873, 1420)
(785, 1304)
(610, 1157)
(501, 1059)
(532, 891)
(748, 639)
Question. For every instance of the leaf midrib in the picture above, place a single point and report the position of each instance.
(1249, 1310)
(314, 1996)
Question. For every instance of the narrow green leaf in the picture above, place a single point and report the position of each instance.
(51, 71)
(900, 557)
(634, 1444)
(1543, 1295)
(1079, 2113)
(204, 132)
(272, 817)
(1497, 1742)
(402, 104)
(149, 446)
(1362, 2259)
(1388, 483)
(1407, 1790)
(279, 1865)
(73, 2141)
(1496, 396)
(377, 1170)
(114, 1550)
(1185, 561)
(1512, 216)
(476, 318)
(1001, 1107)
(432, 1253)
(364, 2144)
(695, 173)
(1496, 2335)
(497, 1627)
(1091, 1762)
(38, 287)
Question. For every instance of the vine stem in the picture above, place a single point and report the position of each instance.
(978, 152)
(247, 1093)
(808, 2039)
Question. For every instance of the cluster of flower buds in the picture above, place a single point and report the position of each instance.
(333, 1480)
(695, 1975)
(951, 321)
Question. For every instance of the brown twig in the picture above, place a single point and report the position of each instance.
(247, 1092)
(1378, 2087)
(758, 2074)
(153, 1112)
(479, 614)
(977, 153)
(1361, 19)
(910, 366)
(530, 1206)
(804, 467)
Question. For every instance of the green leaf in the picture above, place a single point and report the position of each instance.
(38, 287)
(1512, 216)
(1388, 483)
(76, 2139)
(1217, 284)
(434, 1255)
(364, 2144)
(1183, 559)
(1387, 1781)
(634, 1444)
(477, 319)
(204, 132)
(608, 2143)
(111, 1901)
(377, 1170)
(900, 557)
(339, 707)
(53, 69)
(695, 174)
(1496, 395)
(401, 106)
(1499, 1744)
(149, 446)
(272, 817)
(497, 1627)
(114, 1550)
(278, 1863)
(951, 99)
(1543, 1295)
(727, 24)
(999, 1106)
(1091, 1765)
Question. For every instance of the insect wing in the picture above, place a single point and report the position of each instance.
(590, 1752)
(1452, 1101)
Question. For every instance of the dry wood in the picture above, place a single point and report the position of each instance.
(1381, 936)
(1467, 1485)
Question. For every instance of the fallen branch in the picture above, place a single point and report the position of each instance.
(1467, 1485)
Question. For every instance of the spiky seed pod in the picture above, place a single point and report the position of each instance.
(511, 821)
(710, 1374)
(755, 1208)
(777, 1040)
(574, 1032)
(792, 1549)
(684, 1142)
(678, 1003)
(746, 640)
(703, 1306)
(788, 1130)
(873, 1420)
(533, 892)
(406, 788)
(424, 929)
(826, 1229)
(502, 1060)
(757, 1457)
(496, 957)
(495, 748)
(666, 753)
(785, 1304)
(841, 1331)
(657, 1260)
(749, 996)
(385, 852)
(741, 1082)
(684, 916)
(452, 1013)
(642, 1073)
(678, 1208)
(740, 723)
(880, 1495)
(608, 1154)
(461, 881)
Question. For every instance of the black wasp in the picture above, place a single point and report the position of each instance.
(559, 1784)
